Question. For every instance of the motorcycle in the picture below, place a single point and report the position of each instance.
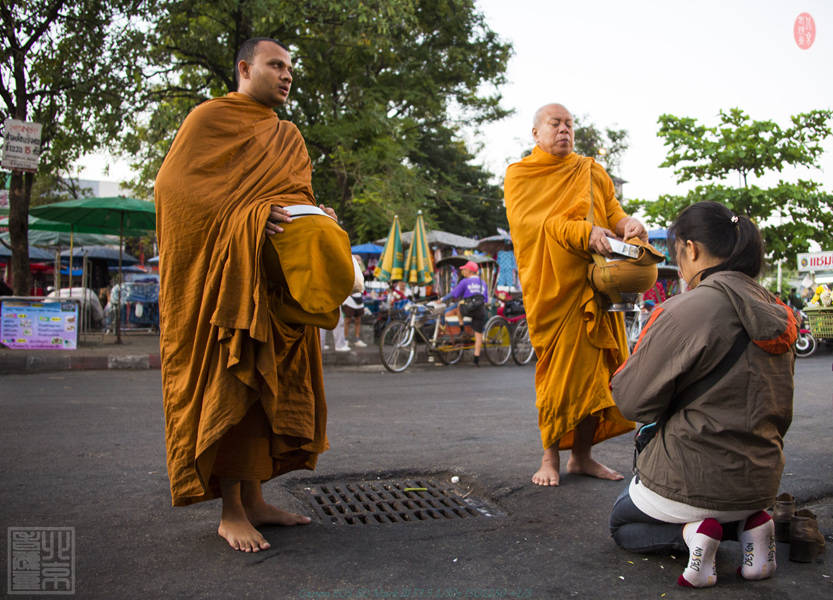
(805, 344)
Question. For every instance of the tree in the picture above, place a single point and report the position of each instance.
(738, 149)
(380, 91)
(68, 66)
(606, 146)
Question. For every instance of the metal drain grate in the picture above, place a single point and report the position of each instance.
(394, 501)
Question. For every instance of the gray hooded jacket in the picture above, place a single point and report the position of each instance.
(724, 450)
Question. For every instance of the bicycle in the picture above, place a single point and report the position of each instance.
(522, 350)
(513, 311)
(426, 324)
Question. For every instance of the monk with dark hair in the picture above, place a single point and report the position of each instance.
(246, 53)
(243, 389)
(549, 195)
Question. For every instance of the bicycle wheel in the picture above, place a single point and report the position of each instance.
(449, 349)
(496, 340)
(805, 345)
(397, 346)
(522, 350)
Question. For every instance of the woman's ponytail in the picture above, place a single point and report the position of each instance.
(732, 238)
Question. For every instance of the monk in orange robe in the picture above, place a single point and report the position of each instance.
(578, 344)
(243, 391)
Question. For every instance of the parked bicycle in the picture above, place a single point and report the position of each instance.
(513, 311)
(445, 338)
(522, 350)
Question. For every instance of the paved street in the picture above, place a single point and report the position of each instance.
(85, 449)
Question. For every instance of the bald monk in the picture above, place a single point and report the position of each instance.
(578, 344)
(243, 391)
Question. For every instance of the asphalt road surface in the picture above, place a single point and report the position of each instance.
(86, 450)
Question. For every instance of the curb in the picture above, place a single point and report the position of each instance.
(11, 363)
(38, 363)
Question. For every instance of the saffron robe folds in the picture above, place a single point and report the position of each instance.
(578, 345)
(222, 348)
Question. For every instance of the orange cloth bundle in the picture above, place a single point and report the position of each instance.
(222, 347)
(578, 345)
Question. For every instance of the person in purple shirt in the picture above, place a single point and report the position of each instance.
(473, 294)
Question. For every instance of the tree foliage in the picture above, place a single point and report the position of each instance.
(727, 157)
(607, 146)
(380, 91)
(69, 66)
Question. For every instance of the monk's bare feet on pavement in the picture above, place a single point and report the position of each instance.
(588, 466)
(266, 514)
(547, 474)
(240, 533)
(260, 512)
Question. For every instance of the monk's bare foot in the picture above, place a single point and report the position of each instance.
(547, 473)
(262, 513)
(241, 534)
(588, 466)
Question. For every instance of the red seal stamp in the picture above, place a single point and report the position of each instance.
(804, 30)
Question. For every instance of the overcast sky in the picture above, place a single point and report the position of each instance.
(625, 63)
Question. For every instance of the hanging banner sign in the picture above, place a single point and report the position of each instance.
(21, 145)
(33, 325)
(815, 261)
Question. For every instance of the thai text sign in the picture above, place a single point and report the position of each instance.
(815, 261)
(21, 145)
(33, 325)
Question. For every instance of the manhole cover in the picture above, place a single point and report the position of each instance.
(394, 501)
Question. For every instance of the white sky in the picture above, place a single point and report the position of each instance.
(623, 64)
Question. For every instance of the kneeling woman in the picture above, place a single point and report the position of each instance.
(714, 367)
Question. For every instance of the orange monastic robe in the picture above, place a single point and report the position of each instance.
(222, 348)
(578, 345)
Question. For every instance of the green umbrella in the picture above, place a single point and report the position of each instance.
(54, 233)
(114, 215)
(390, 264)
(62, 239)
(419, 268)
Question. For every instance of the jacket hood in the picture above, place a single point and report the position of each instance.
(770, 324)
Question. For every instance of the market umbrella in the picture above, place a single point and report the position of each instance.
(61, 239)
(115, 214)
(105, 253)
(54, 233)
(35, 254)
(390, 265)
(494, 243)
(368, 249)
(419, 267)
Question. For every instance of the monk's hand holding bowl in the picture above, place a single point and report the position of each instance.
(598, 240)
(277, 215)
(329, 210)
